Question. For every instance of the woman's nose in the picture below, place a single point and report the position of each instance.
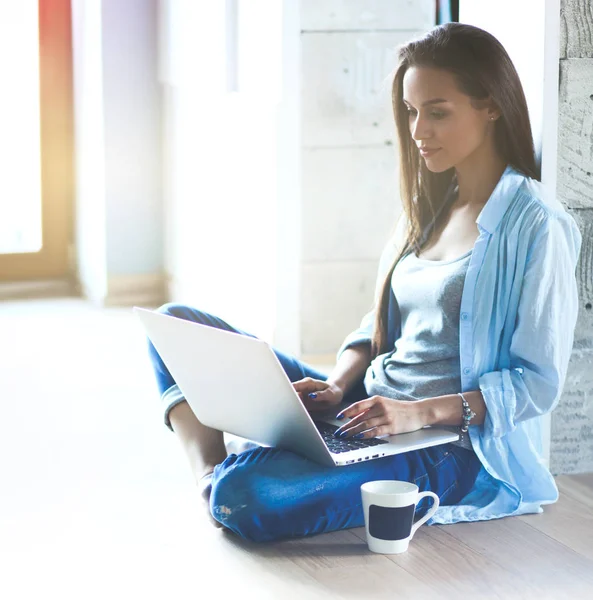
(420, 129)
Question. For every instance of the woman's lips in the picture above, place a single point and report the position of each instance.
(426, 152)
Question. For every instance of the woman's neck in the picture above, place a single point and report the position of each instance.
(477, 177)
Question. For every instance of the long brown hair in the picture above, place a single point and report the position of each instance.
(483, 70)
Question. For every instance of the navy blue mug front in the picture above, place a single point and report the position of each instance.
(389, 523)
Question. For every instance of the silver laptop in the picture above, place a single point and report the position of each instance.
(235, 384)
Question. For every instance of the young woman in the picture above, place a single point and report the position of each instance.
(473, 322)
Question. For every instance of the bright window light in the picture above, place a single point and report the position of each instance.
(20, 174)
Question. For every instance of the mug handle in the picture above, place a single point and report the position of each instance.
(429, 514)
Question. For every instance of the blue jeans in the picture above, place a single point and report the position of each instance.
(268, 494)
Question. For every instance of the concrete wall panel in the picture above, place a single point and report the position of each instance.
(350, 171)
(576, 29)
(572, 421)
(335, 297)
(350, 202)
(575, 133)
(584, 329)
(347, 88)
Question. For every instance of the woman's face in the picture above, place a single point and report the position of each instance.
(443, 123)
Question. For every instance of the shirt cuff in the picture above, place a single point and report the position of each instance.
(501, 403)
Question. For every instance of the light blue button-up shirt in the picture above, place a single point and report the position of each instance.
(518, 313)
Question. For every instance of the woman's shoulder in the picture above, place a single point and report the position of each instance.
(536, 210)
(540, 201)
(536, 205)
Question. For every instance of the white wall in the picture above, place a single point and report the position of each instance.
(118, 150)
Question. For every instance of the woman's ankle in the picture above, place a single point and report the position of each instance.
(205, 472)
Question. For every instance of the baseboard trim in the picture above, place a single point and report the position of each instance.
(136, 290)
(24, 290)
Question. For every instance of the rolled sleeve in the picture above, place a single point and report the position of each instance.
(171, 398)
(541, 343)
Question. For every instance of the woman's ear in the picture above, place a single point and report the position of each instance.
(493, 112)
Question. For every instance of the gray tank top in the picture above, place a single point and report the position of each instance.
(425, 360)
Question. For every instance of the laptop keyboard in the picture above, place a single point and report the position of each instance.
(338, 445)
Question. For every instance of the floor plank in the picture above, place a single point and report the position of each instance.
(448, 565)
(545, 565)
(567, 521)
(343, 566)
(577, 486)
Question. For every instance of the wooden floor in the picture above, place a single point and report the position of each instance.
(96, 500)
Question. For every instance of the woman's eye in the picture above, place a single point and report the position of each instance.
(435, 114)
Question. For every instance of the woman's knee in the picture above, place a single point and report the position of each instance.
(232, 502)
(176, 309)
(189, 313)
(183, 311)
(239, 501)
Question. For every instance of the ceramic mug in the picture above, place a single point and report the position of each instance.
(389, 508)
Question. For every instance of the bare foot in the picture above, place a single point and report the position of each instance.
(205, 488)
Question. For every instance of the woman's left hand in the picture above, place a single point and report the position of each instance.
(378, 415)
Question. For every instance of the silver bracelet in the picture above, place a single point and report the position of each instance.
(468, 414)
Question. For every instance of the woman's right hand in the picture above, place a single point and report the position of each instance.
(318, 395)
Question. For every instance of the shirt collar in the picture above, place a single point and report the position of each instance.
(500, 199)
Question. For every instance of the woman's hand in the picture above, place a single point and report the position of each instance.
(381, 416)
(318, 395)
